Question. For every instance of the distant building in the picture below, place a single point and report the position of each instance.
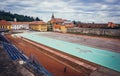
(50, 26)
(111, 25)
(91, 25)
(96, 25)
(59, 24)
(38, 26)
(68, 24)
(57, 28)
(5, 25)
(20, 25)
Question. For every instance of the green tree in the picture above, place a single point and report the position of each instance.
(37, 19)
(10, 17)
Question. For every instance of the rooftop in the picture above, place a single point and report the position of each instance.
(18, 23)
(38, 22)
(4, 22)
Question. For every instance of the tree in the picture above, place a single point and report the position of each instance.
(37, 19)
(10, 17)
(75, 23)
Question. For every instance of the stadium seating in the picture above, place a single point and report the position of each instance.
(3, 39)
(13, 52)
(40, 68)
(16, 54)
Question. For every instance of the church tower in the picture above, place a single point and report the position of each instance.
(52, 16)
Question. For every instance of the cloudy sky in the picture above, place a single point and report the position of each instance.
(100, 11)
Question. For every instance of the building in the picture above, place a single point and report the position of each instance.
(55, 22)
(111, 25)
(38, 26)
(4, 25)
(20, 25)
(59, 24)
(68, 24)
(96, 25)
(91, 25)
(50, 26)
(63, 29)
(57, 28)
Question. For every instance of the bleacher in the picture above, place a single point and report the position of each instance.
(13, 52)
(3, 39)
(16, 54)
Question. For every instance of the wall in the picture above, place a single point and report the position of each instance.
(38, 27)
(95, 31)
(63, 29)
(5, 27)
(20, 26)
(44, 27)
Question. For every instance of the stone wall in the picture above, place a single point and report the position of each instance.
(95, 31)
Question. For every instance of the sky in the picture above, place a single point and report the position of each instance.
(98, 11)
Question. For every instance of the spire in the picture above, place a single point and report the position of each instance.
(52, 16)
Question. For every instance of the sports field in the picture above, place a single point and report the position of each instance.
(102, 57)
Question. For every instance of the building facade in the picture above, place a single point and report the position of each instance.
(5, 25)
(59, 24)
(38, 26)
(20, 25)
(97, 25)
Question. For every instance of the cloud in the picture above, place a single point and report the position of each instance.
(83, 10)
(111, 1)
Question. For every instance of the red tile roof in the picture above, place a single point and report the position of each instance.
(18, 23)
(69, 25)
(37, 22)
(4, 22)
(57, 20)
(56, 26)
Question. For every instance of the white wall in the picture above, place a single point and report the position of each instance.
(20, 26)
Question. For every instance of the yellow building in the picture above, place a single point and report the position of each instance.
(38, 26)
(59, 24)
(5, 25)
(59, 28)
(63, 29)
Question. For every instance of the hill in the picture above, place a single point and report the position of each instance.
(10, 17)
